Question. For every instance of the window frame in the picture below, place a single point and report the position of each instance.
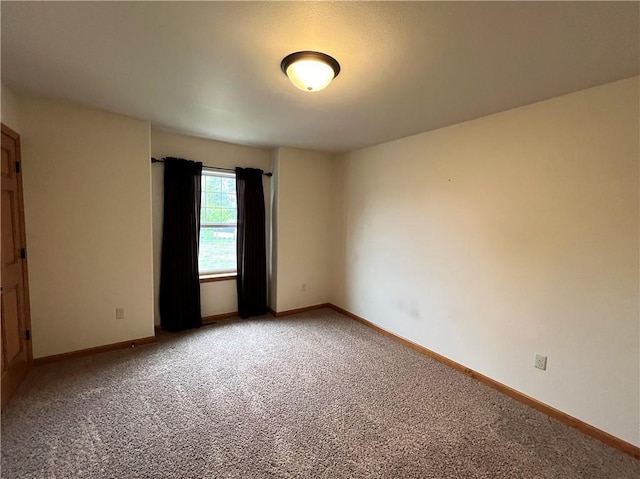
(217, 275)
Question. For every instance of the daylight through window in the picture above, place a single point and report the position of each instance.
(218, 223)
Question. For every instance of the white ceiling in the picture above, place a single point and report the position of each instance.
(212, 69)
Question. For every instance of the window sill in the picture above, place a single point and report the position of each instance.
(210, 278)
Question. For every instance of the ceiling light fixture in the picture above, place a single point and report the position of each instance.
(310, 71)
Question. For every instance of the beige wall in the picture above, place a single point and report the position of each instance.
(304, 228)
(273, 233)
(10, 109)
(516, 233)
(87, 196)
(217, 297)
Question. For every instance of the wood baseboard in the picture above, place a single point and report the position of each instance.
(207, 319)
(289, 312)
(219, 317)
(565, 418)
(90, 351)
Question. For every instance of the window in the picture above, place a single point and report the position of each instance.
(218, 223)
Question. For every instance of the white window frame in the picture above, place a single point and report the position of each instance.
(213, 275)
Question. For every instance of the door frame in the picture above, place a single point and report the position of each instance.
(25, 270)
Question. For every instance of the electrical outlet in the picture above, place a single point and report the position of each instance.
(119, 313)
(540, 362)
(303, 287)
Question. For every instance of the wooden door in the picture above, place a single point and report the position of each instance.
(14, 304)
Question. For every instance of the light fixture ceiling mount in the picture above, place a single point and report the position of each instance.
(310, 71)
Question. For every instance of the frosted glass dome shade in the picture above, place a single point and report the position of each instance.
(310, 71)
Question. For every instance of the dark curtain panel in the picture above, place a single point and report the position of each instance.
(252, 257)
(179, 280)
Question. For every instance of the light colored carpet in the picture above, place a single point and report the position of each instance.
(314, 395)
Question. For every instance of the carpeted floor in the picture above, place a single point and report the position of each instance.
(312, 395)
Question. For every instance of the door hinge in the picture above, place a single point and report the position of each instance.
(17, 167)
(28, 334)
(23, 253)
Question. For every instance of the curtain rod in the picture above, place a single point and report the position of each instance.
(155, 160)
